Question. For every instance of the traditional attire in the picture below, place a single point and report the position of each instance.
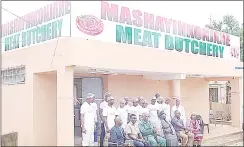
(89, 123)
(148, 134)
(195, 129)
(169, 133)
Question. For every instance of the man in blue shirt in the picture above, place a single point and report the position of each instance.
(182, 131)
(117, 133)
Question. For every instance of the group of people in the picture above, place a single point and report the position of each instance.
(144, 124)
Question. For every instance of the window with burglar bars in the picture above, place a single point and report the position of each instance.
(213, 94)
(13, 75)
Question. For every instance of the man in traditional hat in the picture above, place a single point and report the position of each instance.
(87, 121)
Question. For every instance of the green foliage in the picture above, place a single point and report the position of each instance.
(230, 25)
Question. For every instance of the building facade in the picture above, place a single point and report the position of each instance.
(125, 53)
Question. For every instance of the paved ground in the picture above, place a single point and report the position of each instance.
(237, 144)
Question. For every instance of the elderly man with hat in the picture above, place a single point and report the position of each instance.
(88, 120)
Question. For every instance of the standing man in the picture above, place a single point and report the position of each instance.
(144, 109)
(94, 108)
(102, 106)
(159, 103)
(140, 99)
(123, 113)
(87, 121)
(157, 95)
(166, 109)
(154, 111)
(135, 108)
(127, 102)
(181, 109)
(109, 113)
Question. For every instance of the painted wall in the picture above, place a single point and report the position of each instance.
(45, 109)
(19, 100)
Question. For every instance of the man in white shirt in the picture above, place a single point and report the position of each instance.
(87, 121)
(134, 109)
(102, 106)
(166, 109)
(159, 103)
(140, 99)
(153, 111)
(109, 113)
(123, 113)
(144, 109)
(181, 109)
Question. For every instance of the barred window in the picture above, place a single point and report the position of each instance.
(13, 75)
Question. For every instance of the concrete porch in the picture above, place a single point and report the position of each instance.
(222, 135)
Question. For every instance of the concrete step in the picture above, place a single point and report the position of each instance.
(224, 140)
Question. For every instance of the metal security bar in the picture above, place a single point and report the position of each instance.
(13, 75)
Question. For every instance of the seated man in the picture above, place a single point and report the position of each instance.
(133, 132)
(117, 134)
(182, 131)
(149, 133)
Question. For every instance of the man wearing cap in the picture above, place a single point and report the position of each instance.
(87, 121)
(123, 113)
(135, 108)
(181, 110)
(109, 113)
(102, 106)
(154, 111)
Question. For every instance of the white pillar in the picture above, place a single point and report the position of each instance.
(176, 88)
(65, 110)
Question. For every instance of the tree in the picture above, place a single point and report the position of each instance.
(229, 25)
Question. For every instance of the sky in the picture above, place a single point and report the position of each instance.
(193, 12)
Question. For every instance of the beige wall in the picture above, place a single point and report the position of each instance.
(194, 95)
(45, 109)
(20, 103)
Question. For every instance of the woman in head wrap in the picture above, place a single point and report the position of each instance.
(167, 130)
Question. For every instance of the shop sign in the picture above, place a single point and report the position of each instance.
(107, 21)
(41, 25)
